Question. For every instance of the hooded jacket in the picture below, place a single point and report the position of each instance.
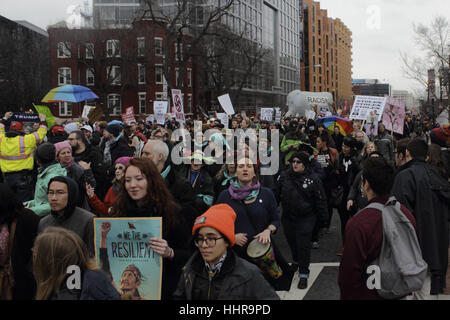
(39, 204)
(73, 218)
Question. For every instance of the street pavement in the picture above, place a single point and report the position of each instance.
(324, 268)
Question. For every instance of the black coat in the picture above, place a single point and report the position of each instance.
(119, 149)
(427, 195)
(301, 195)
(237, 280)
(184, 195)
(26, 232)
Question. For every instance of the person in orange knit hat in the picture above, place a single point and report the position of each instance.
(215, 272)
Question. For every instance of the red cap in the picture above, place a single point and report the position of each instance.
(16, 126)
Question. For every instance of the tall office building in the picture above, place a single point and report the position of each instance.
(114, 13)
(327, 55)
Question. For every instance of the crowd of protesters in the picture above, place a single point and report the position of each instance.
(56, 180)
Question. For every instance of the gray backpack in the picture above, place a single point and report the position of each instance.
(402, 267)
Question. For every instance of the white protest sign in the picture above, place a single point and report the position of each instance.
(225, 102)
(223, 117)
(150, 118)
(177, 97)
(277, 115)
(365, 104)
(86, 111)
(160, 110)
(267, 114)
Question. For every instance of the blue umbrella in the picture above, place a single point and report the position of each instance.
(69, 93)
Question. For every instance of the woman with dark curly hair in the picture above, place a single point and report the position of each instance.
(144, 194)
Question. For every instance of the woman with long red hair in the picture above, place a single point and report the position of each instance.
(144, 194)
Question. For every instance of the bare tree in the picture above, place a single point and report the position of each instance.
(434, 41)
(185, 24)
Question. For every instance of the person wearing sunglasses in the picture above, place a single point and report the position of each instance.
(303, 199)
(215, 272)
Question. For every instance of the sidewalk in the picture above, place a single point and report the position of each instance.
(447, 290)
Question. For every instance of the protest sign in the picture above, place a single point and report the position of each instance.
(25, 117)
(177, 97)
(128, 116)
(225, 102)
(160, 110)
(372, 124)
(364, 105)
(394, 115)
(223, 117)
(267, 114)
(95, 114)
(122, 247)
(150, 118)
(86, 111)
(277, 115)
(48, 114)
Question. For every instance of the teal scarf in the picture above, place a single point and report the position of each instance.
(165, 173)
(227, 178)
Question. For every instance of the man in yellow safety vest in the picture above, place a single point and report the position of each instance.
(16, 155)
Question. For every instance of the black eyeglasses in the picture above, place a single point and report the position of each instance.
(210, 242)
(297, 162)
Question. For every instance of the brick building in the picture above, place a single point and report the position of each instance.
(124, 67)
(327, 54)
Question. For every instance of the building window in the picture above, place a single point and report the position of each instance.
(64, 76)
(141, 47)
(159, 96)
(178, 78)
(90, 79)
(65, 109)
(89, 51)
(178, 52)
(158, 74)
(113, 75)
(189, 103)
(64, 50)
(189, 77)
(142, 103)
(113, 48)
(141, 74)
(158, 46)
(114, 104)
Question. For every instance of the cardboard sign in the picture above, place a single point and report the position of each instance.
(86, 111)
(365, 104)
(177, 97)
(128, 116)
(394, 115)
(95, 114)
(225, 102)
(267, 114)
(122, 248)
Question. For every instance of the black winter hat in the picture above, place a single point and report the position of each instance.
(114, 129)
(45, 153)
(349, 141)
(303, 157)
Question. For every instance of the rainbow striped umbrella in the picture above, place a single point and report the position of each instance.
(69, 93)
(344, 125)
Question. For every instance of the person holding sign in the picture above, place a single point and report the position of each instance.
(215, 272)
(144, 194)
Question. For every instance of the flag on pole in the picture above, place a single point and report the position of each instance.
(48, 114)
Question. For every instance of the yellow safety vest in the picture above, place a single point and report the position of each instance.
(16, 153)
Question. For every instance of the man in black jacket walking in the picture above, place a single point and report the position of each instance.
(427, 195)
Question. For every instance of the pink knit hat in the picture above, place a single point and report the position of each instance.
(62, 145)
(124, 160)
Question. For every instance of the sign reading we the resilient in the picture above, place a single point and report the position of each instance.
(123, 252)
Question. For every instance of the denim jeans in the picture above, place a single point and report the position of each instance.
(298, 235)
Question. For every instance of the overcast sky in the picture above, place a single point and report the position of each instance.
(381, 29)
